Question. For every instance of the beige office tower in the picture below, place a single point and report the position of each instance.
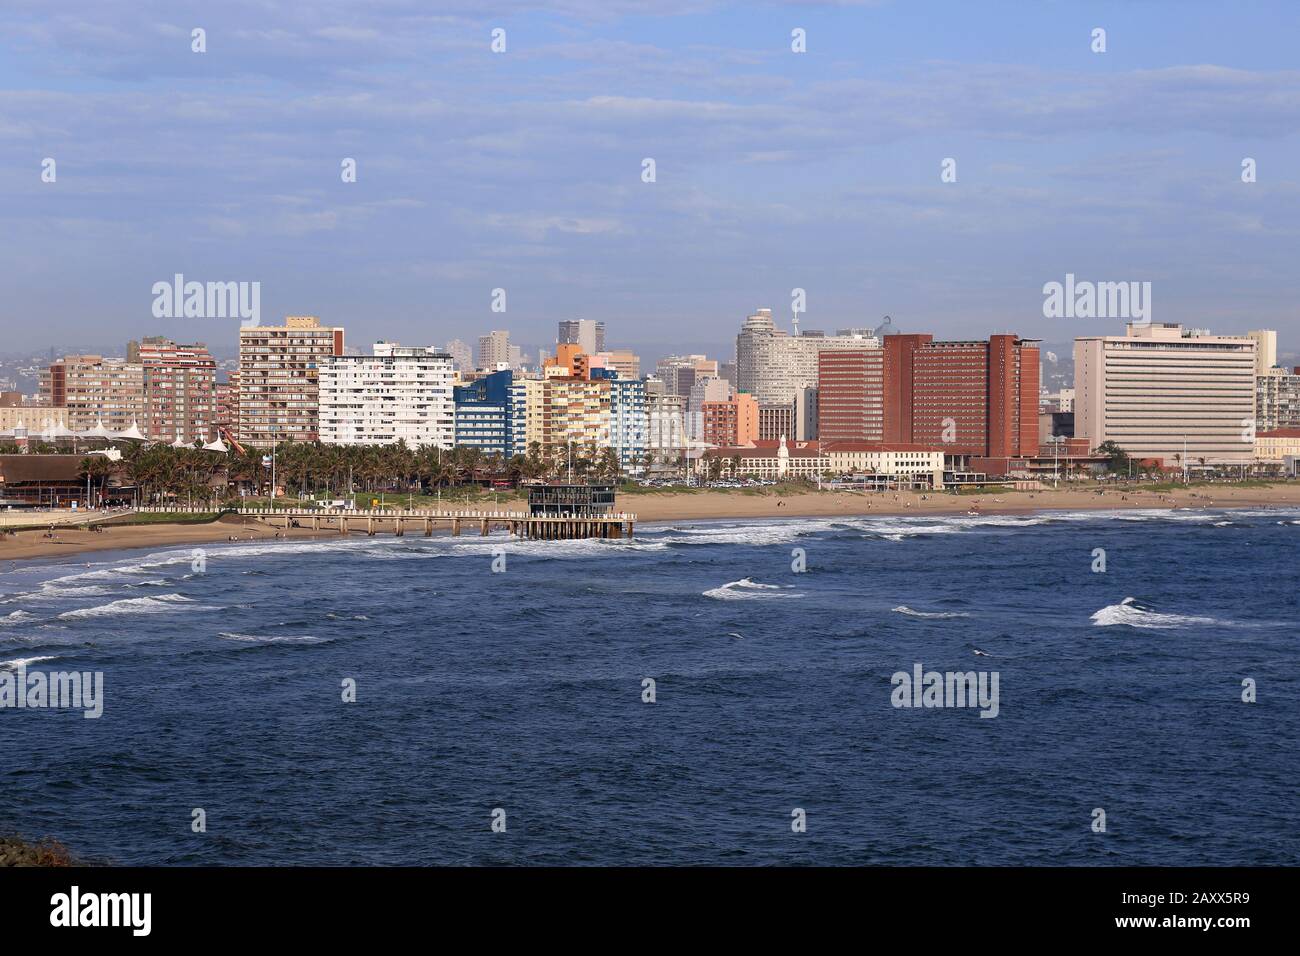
(279, 379)
(95, 390)
(494, 350)
(461, 355)
(773, 365)
(180, 390)
(1161, 392)
(575, 410)
(624, 362)
(1265, 349)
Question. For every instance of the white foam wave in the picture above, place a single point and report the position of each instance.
(748, 590)
(273, 638)
(143, 605)
(904, 609)
(18, 662)
(1130, 613)
(16, 617)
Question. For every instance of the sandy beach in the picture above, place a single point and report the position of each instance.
(696, 506)
(735, 504)
(26, 545)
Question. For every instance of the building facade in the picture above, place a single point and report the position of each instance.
(95, 390)
(964, 397)
(279, 379)
(180, 385)
(851, 395)
(1162, 393)
(485, 413)
(772, 365)
(396, 394)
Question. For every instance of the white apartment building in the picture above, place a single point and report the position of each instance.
(773, 365)
(397, 394)
(1161, 392)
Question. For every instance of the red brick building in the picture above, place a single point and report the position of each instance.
(851, 395)
(968, 398)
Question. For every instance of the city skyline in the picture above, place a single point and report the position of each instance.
(523, 170)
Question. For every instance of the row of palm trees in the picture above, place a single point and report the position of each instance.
(162, 472)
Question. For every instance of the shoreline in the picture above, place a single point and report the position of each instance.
(31, 546)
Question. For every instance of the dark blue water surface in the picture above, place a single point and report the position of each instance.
(522, 690)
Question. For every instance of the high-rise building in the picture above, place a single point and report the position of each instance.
(279, 379)
(623, 361)
(485, 414)
(679, 372)
(776, 421)
(666, 425)
(95, 390)
(397, 394)
(1265, 349)
(772, 365)
(1164, 393)
(588, 334)
(967, 397)
(732, 422)
(628, 423)
(461, 355)
(851, 395)
(1277, 399)
(179, 390)
(494, 351)
(527, 397)
(575, 410)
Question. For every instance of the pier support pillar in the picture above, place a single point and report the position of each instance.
(455, 526)
(428, 527)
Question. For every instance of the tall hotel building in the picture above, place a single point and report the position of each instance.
(95, 390)
(777, 368)
(279, 379)
(396, 394)
(1161, 392)
(575, 410)
(967, 397)
(851, 395)
(180, 390)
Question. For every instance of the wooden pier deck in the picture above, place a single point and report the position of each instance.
(397, 521)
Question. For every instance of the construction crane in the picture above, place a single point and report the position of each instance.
(876, 331)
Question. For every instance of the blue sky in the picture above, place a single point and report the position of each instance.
(521, 170)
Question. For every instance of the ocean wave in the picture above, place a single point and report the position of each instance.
(747, 590)
(1133, 614)
(273, 638)
(143, 605)
(904, 609)
(18, 662)
(16, 617)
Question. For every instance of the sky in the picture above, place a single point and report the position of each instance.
(523, 170)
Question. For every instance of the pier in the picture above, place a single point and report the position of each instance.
(372, 521)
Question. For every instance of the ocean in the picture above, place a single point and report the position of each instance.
(503, 716)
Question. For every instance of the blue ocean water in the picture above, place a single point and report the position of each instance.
(522, 690)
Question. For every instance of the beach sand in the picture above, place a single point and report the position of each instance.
(704, 505)
(26, 545)
(697, 506)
